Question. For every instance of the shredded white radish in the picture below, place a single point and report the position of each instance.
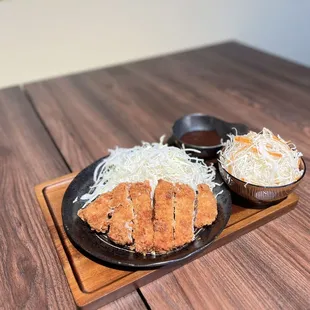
(261, 159)
(150, 161)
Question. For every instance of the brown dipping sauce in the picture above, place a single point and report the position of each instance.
(202, 138)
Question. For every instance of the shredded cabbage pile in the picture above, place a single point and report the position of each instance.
(150, 161)
(261, 159)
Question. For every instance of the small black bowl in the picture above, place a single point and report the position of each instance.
(201, 122)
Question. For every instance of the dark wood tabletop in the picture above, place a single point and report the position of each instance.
(50, 128)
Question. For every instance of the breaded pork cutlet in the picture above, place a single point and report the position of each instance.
(206, 206)
(184, 205)
(143, 232)
(122, 219)
(96, 214)
(164, 217)
(126, 214)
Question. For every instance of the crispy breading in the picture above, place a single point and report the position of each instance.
(128, 216)
(164, 217)
(122, 218)
(206, 206)
(96, 214)
(143, 232)
(184, 214)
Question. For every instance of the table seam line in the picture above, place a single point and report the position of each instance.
(29, 98)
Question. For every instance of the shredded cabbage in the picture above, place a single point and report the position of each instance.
(261, 159)
(150, 161)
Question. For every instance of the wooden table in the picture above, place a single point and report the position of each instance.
(50, 128)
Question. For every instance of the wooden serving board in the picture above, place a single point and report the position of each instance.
(93, 284)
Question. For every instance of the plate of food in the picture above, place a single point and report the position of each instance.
(145, 207)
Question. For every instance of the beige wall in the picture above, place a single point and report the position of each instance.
(46, 38)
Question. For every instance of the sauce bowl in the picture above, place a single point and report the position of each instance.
(202, 122)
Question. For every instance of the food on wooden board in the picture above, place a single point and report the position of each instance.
(151, 197)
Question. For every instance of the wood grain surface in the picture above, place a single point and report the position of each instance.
(30, 271)
(31, 275)
(88, 113)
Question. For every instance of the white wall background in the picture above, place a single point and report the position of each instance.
(42, 39)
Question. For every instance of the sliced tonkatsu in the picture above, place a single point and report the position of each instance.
(184, 207)
(131, 216)
(121, 222)
(164, 217)
(206, 209)
(97, 213)
(143, 232)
